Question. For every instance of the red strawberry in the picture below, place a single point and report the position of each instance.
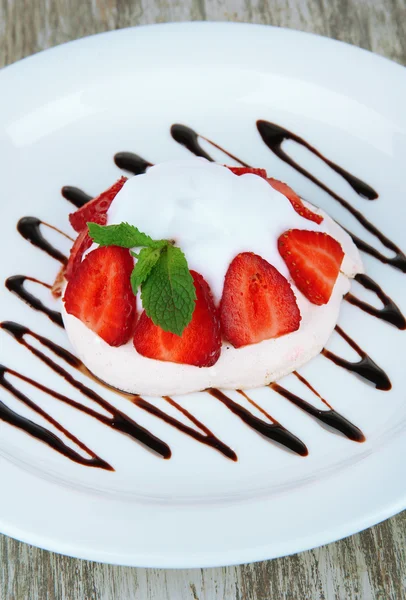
(257, 303)
(95, 210)
(79, 247)
(99, 294)
(295, 200)
(314, 260)
(245, 170)
(284, 189)
(200, 343)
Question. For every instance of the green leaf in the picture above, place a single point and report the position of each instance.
(124, 235)
(147, 259)
(168, 294)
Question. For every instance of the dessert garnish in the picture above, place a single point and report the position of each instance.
(161, 271)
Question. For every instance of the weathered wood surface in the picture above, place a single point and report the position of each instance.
(370, 565)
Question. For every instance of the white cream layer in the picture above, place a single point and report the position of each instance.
(213, 215)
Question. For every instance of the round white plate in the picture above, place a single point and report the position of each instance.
(63, 115)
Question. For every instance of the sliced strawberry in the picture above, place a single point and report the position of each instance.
(295, 200)
(257, 303)
(95, 210)
(284, 189)
(314, 260)
(200, 343)
(79, 247)
(250, 170)
(99, 294)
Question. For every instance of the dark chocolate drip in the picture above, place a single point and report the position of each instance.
(207, 437)
(131, 162)
(190, 139)
(39, 432)
(29, 228)
(273, 431)
(390, 312)
(311, 388)
(118, 420)
(365, 368)
(75, 196)
(15, 284)
(274, 135)
(330, 417)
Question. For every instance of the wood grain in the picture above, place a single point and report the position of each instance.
(370, 565)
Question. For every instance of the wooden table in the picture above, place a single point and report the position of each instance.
(368, 565)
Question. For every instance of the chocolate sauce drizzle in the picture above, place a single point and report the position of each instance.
(15, 285)
(189, 138)
(331, 418)
(131, 162)
(118, 420)
(29, 228)
(365, 368)
(207, 437)
(390, 312)
(39, 432)
(75, 196)
(273, 431)
(273, 136)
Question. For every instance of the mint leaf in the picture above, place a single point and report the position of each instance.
(147, 259)
(124, 235)
(168, 294)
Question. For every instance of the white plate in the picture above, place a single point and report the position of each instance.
(64, 113)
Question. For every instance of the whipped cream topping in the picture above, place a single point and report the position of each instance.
(213, 215)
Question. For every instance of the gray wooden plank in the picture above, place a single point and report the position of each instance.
(365, 566)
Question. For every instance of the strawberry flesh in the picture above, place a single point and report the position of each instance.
(99, 293)
(257, 303)
(248, 170)
(314, 260)
(79, 247)
(295, 200)
(95, 211)
(200, 343)
(284, 189)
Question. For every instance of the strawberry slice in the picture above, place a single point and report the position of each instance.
(95, 210)
(314, 260)
(99, 294)
(250, 170)
(284, 189)
(79, 247)
(200, 343)
(257, 303)
(295, 200)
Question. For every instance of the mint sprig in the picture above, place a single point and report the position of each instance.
(161, 271)
(124, 235)
(168, 294)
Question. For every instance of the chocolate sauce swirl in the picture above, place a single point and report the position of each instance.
(274, 135)
(131, 162)
(273, 431)
(365, 368)
(75, 196)
(118, 420)
(207, 437)
(331, 418)
(390, 312)
(29, 228)
(16, 285)
(189, 138)
(39, 432)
